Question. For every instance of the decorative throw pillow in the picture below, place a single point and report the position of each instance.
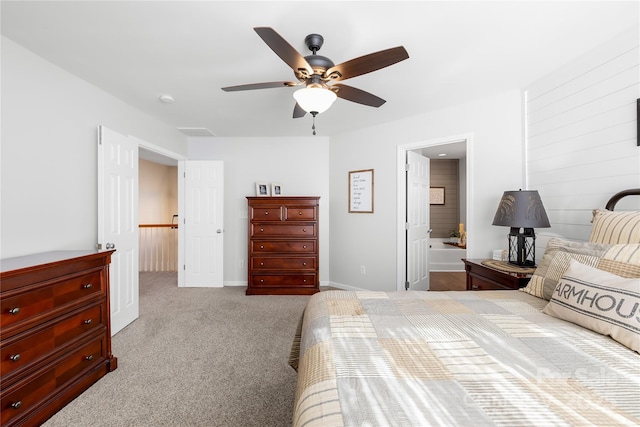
(615, 227)
(599, 301)
(555, 262)
(622, 260)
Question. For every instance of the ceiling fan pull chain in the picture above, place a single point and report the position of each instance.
(314, 124)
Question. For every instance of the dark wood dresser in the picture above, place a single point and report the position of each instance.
(55, 337)
(283, 246)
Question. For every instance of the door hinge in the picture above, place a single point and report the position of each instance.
(407, 226)
(407, 166)
(184, 266)
(100, 136)
(406, 286)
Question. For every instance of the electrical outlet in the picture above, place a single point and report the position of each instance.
(363, 269)
(244, 214)
(241, 263)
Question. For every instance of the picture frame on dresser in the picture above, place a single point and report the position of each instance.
(276, 189)
(262, 189)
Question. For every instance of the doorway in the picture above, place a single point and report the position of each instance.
(455, 147)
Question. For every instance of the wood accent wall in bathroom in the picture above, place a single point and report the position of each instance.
(444, 173)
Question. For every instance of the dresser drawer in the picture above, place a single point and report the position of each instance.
(283, 280)
(284, 263)
(283, 246)
(26, 395)
(37, 344)
(293, 213)
(266, 213)
(283, 229)
(26, 305)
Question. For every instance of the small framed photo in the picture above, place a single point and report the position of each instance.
(276, 189)
(262, 189)
(436, 196)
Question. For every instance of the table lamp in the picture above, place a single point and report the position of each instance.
(522, 211)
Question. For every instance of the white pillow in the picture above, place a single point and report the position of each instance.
(599, 301)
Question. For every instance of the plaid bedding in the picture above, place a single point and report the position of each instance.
(457, 359)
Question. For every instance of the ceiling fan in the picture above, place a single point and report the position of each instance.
(317, 73)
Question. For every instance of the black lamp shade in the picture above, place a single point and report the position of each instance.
(521, 210)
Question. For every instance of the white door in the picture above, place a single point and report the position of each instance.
(203, 224)
(417, 221)
(118, 222)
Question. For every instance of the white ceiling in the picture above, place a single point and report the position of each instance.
(138, 50)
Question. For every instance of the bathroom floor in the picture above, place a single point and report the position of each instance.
(448, 281)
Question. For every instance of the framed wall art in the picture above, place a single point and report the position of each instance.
(436, 196)
(361, 191)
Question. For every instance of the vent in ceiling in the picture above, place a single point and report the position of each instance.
(196, 131)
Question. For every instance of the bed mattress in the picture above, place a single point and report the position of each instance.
(456, 358)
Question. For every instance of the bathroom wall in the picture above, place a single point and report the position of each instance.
(445, 173)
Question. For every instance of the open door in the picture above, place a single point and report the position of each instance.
(118, 221)
(417, 222)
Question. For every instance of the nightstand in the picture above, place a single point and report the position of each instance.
(481, 277)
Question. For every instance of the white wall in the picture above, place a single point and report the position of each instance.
(301, 165)
(494, 164)
(49, 152)
(157, 192)
(581, 135)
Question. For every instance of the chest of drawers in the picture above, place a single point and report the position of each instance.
(283, 246)
(55, 338)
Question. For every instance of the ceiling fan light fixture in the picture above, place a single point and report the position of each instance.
(315, 99)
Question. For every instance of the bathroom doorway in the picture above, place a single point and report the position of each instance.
(452, 148)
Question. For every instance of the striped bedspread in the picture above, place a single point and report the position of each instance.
(457, 359)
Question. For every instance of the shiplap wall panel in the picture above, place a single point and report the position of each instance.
(581, 136)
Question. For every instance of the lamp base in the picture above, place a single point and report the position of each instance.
(522, 247)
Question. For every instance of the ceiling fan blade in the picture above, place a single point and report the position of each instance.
(357, 95)
(298, 111)
(284, 50)
(367, 63)
(253, 86)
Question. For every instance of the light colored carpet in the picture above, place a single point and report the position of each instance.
(196, 357)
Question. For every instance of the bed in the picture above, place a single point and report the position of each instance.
(537, 356)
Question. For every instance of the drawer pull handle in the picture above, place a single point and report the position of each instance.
(261, 280)
(304, 264)
(262, 263)
(304, 280)
(262, 230)
(304, 246)
(266, 213)
(474, 286)
(300, 213)
(88, 322)
(14, 310)
(261, 246)
(304, 230)
(87, 286)
(16, 405)
(89, 357)
(15, 357)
